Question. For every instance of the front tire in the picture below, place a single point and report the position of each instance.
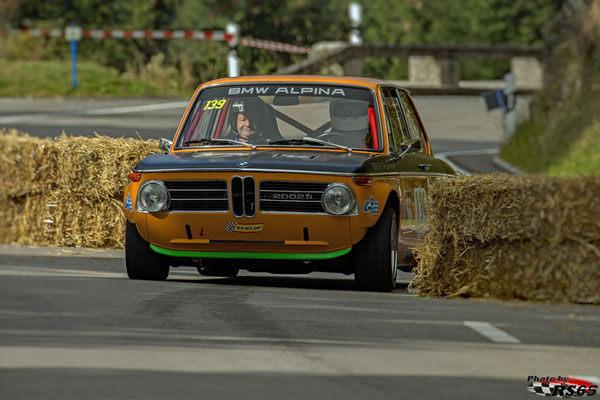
(140, 261)
(376, 256)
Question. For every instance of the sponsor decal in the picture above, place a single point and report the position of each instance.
(561, 386)
(128, 203)
(249, 90)
(212, 155)
(243, 228)
(296, 156)
(371, 206)
(214, 104)
(294, 90)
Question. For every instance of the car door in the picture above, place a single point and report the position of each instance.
(411, 181)
(429, 167)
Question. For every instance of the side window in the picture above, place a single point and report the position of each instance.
(416, 132)
(396, 121)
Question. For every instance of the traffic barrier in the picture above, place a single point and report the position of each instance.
(66, 191)
(164, 34)
(512, 237)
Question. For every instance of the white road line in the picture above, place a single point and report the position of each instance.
(471, 152)
(10, 270)
(131, 109)
(11, 119)
(435, 359)
(593, 379)
(491, 332)
(161, 334)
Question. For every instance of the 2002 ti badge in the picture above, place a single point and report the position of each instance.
(285, 174)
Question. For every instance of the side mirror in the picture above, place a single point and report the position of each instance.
(409, 146)
(165, 144)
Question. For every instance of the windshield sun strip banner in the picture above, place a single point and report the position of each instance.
(280, 89)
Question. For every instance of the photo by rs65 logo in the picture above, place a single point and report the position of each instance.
(561, 386)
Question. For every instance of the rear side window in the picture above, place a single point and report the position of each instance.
(395, 119)
(415, 130)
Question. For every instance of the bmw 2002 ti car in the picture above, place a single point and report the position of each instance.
(285, 174)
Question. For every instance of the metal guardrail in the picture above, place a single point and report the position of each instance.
(345, 53)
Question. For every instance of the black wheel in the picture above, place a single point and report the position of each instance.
(140, 260)
(376, 256)
(213, 267)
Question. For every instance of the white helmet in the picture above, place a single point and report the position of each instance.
(349, 115)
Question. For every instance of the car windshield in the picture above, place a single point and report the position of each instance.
(283, 115)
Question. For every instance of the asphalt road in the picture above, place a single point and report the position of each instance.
(73, 326)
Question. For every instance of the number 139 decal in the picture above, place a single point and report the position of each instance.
(214, 104)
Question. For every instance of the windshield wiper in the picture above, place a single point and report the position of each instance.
(310, 139)
(209, 141)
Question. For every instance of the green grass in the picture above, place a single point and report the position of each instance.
(583, 158)
(561, 141)
(53, 79)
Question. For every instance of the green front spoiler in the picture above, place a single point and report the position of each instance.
(247, 255)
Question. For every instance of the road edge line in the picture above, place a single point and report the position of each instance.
(491, 332)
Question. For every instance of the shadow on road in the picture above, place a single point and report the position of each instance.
(98, 383)
(296, 282)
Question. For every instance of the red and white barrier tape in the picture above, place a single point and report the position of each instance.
(276, 46)
(118, 34)
(34, 32)
(197, 35)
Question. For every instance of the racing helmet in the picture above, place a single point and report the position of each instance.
(252, 107)
(348, 115)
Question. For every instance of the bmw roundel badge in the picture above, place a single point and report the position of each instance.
(243, 164)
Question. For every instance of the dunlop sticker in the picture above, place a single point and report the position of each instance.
(243, 228)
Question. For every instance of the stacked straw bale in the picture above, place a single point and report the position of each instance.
(66, 191)
(506, 236)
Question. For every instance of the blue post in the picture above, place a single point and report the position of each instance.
(73, 62)
(500, 99)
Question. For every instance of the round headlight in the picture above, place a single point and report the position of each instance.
(153, 197)
(338, 199)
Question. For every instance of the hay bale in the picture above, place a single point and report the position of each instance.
(505, 236)
(66, 191)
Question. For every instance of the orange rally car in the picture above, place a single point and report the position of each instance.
(285, 174)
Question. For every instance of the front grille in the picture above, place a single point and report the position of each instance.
(209, 195)
(243, 196)
(286, 196)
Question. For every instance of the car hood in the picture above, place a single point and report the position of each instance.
(267, 160)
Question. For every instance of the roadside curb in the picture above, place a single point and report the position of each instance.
(446, 156)
(50, 251)
(499, 162)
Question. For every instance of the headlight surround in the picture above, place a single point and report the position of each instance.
(153, 197)
(338, 199)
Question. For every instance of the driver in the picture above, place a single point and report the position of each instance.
(247, 117)
(351, 118)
